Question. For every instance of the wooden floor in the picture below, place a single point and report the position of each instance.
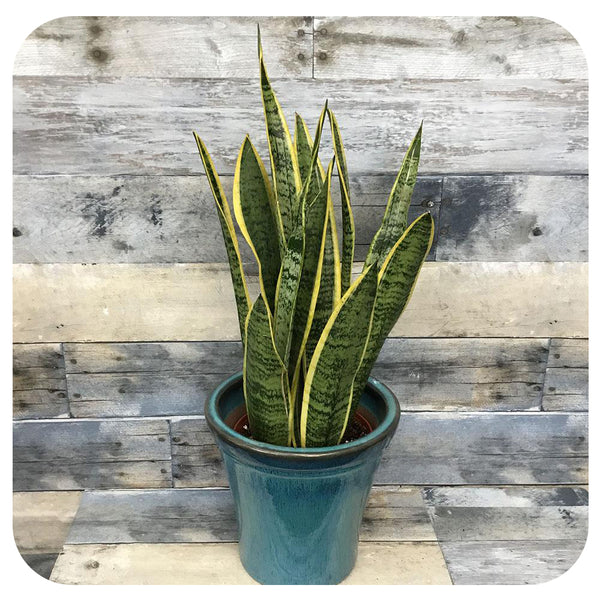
(410, 535)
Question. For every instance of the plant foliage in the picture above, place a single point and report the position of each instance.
(312, 336)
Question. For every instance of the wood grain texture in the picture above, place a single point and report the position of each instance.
(471, 126)
(566, 382)
(182, 516)
(175, 378)
(530, 513)
(464, 374)
(219, 564)
(436, 448)
(196, 460)
(510, 562)
(445, 47)
(215, 47)
(159, 219)
(70, 455)
(41, 520)
(514, 217)
(39, 383)
(181, 302)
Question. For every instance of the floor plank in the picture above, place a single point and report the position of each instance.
(42, 564)
(219, 564)
(41, 520)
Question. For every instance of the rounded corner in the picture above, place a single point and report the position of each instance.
(32, 33)
(30, 567)
(574, 38)
(581, 551)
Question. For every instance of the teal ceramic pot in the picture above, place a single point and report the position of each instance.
(299, 510)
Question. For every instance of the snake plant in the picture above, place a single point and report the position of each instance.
(312, 335)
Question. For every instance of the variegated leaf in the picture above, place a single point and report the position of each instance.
(304, 149)
(397, 280)
(238, 279)
(284, 163)
(327, 398)
(265, 379)
(348, 233)
(287, 291)
(396, 212)
(257, 217)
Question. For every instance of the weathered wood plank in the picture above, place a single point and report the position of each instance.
(464, 374)
(39, 383)
(435, 448)
(471, 126)
(510, 562)
(180, 302)
(566, 382)
(514, 217)
(42, 564)
(67, 455)
(159, 219)
(41, 520)
(179, 516)
(196, 460)
(219, 564)
(445, 48)
(468, 514)
(220, 47)
(175, 378)
(487, 449)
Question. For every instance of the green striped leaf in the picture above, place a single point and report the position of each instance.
(304, 149)
(240, 289)
(265, 379)
(327, 398)
(284, 163)
(315, 229)
(257, 217)
(287, 292)
(397, 280)
(348, 232)
(396, 212)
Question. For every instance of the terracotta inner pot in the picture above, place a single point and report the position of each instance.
(362, 424)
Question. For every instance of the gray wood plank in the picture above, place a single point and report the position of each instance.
(42, 564)
(471, 126)
(487, 449)
(445, 47)
(514, 217)
(66, 455)
(468, 514)
(193, 302)
(159, 219)
(175, 378)
(180, 516)
(566, 382)
(433, 448)
(464, 374)
(510, 562)
(39, 383)
(220, 47)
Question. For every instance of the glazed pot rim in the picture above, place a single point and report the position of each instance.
(385, 429)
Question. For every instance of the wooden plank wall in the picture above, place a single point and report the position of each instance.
(124, 316)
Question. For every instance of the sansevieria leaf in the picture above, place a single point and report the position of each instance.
(284, 164)
(287, 291)
(304, 150)
(265, 379)
(238, 279)
(328, 389)
(397, 279)
(396, 213)
(257, 217)
(348, 233)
